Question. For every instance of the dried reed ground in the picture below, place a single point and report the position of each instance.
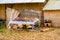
(24, 35)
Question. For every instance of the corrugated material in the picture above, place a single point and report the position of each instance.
(2, 12)
(52, 5)
(33, 6)
(20, 1)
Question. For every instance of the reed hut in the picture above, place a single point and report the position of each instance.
(52, 12)
(9, 9)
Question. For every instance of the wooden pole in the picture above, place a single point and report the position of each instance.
(42, 18)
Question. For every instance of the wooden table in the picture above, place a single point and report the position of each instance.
(23, 23)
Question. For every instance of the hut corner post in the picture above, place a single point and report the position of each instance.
(42, 18)
(42, 14)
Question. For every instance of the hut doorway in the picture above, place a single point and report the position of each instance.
(16, 15)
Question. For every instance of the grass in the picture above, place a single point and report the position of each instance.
(2, 26)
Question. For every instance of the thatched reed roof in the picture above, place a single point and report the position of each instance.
(19, 1)
(52, 5)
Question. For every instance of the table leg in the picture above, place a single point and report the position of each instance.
(32, 27)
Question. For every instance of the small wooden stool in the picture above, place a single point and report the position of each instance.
(48, 24)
